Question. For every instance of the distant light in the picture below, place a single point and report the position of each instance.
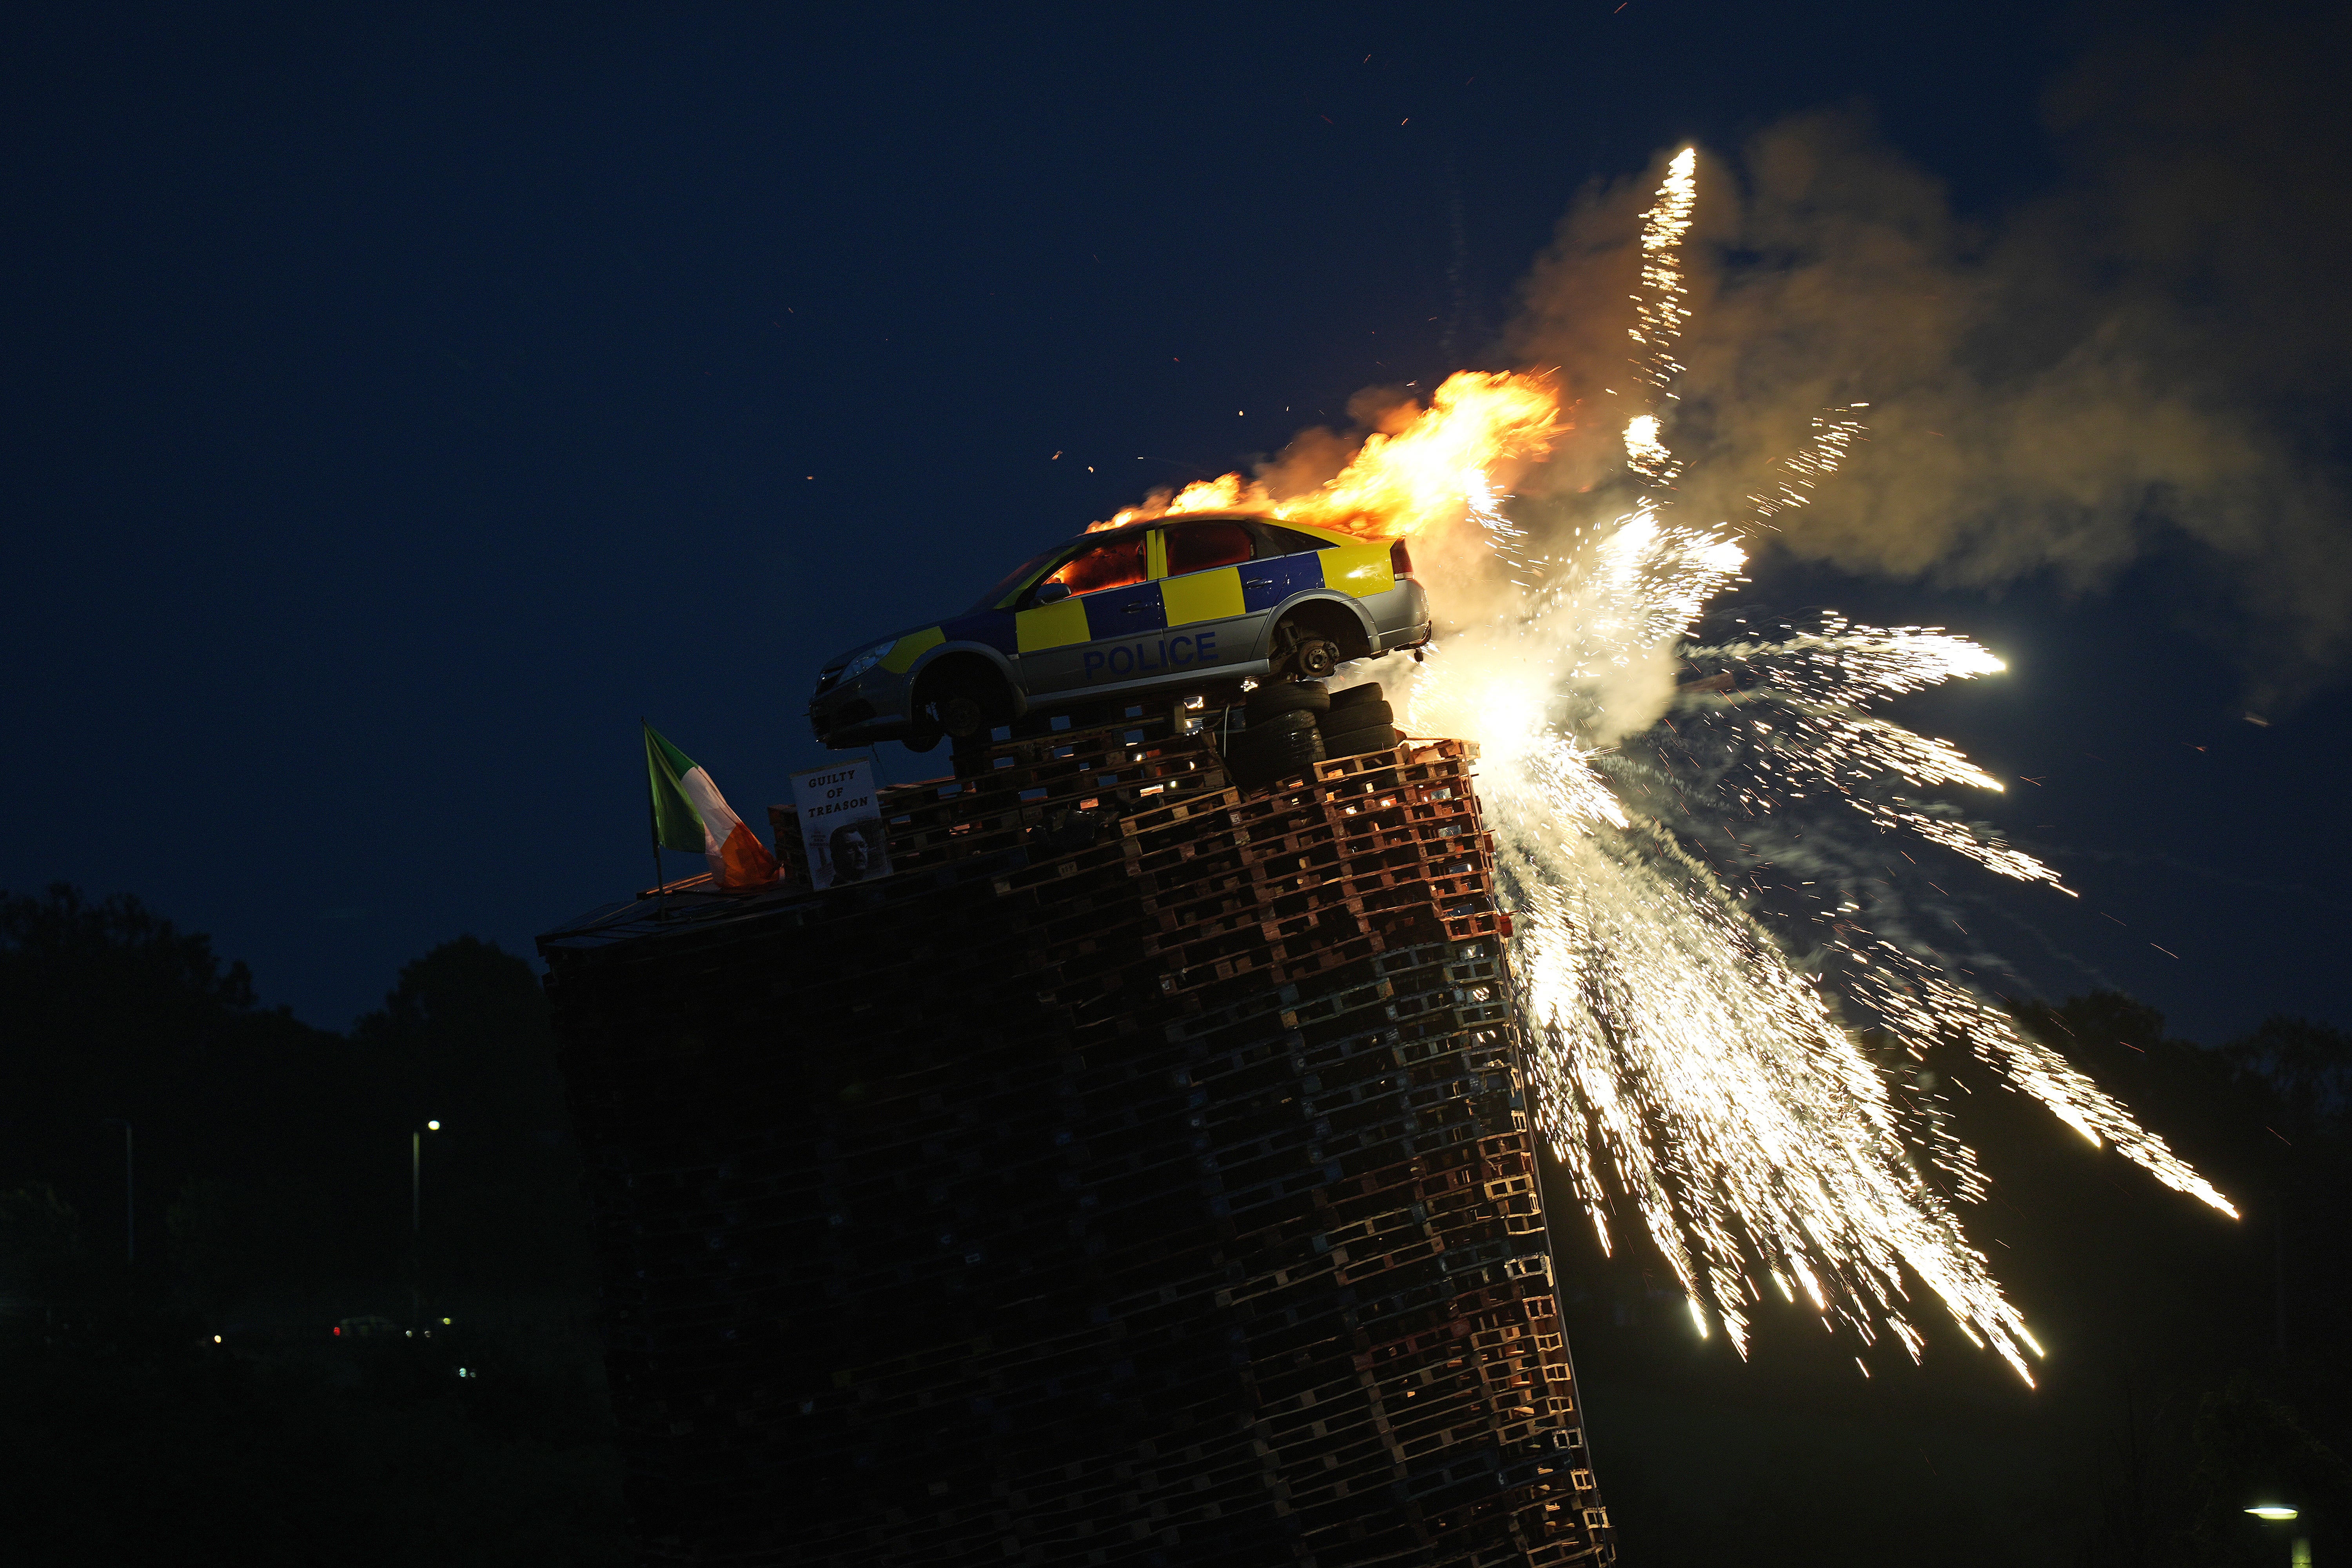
(2272, 1510)
(445, 1322)
(432, 1127)
(339, 1330)
(216, 1338)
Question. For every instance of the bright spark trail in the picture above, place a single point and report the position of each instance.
(1691, 1068)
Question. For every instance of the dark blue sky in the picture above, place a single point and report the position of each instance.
(400, 403)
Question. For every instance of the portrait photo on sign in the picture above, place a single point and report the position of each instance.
(854, 852)
(841, 824)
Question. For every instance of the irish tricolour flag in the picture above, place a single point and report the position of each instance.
(690, 813)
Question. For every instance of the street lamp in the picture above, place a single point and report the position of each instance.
(2299, 1554)
(416, 1224)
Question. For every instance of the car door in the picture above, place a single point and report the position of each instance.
(1291, 563)
(1205, 593)
(1087, 640)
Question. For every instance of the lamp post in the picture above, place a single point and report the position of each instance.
(2299, 1554)
(416, 1225)
(129, 1195)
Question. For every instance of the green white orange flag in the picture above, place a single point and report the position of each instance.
(690, 813)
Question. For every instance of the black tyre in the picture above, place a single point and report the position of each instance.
(961, 714)
(965, 704)
(1360, 739)
(1360, 716)
(1260, 757)
(1370, 691)
(1284, 722)
(1286, 697)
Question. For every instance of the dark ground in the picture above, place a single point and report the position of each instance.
(2195, 1364)
(273, 1185)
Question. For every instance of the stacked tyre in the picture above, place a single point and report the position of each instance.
(1357, 720)
(1284, 738)
(1294, 725)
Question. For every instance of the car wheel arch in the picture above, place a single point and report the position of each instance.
(1334, 614)
(952, 660)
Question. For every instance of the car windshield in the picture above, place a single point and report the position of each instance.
(1086, 565)
(1115, 563)
(1018, 575)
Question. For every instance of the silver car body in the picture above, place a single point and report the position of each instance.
(1192, 612)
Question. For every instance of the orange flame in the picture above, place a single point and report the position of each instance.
(1427, 472)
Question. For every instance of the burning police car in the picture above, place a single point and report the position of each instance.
(1174, 605)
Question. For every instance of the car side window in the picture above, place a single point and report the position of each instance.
(1288, 541)
(1112, 565)
(1198, 546)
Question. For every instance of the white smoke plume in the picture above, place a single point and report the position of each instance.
(2149, 359)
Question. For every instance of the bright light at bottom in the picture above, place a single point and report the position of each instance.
(2272, 1510)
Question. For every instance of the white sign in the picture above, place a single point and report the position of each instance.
(841, 823)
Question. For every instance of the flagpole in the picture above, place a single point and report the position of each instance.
(653, 823)
(656, 839)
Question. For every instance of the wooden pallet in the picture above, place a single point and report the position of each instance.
(1062, 1177)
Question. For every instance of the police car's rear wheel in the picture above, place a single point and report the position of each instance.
(1316, 658)
(1302, 652)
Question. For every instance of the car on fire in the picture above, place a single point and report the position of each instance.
(1175, 606)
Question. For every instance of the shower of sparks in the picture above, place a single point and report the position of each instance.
(1833, 431)
(1691, 1067)
(1658, 309)
(1748, 1077)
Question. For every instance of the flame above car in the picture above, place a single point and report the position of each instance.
(1430, 471)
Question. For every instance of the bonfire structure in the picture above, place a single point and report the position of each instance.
(1142, 1173)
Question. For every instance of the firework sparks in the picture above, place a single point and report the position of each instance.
(1659, 310)
(1833, 431)
(1689, 1067)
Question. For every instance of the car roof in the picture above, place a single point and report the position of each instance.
(1332, 536)
(1329, 535)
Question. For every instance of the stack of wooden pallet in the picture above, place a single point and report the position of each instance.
(1147, 1185)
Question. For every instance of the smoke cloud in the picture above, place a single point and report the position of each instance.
(2150, 360)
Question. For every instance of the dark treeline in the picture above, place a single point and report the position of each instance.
(272, 1167)
(2196, 1364)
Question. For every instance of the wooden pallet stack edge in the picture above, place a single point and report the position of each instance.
(981, 1213)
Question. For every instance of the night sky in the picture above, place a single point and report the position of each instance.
(401, 404)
